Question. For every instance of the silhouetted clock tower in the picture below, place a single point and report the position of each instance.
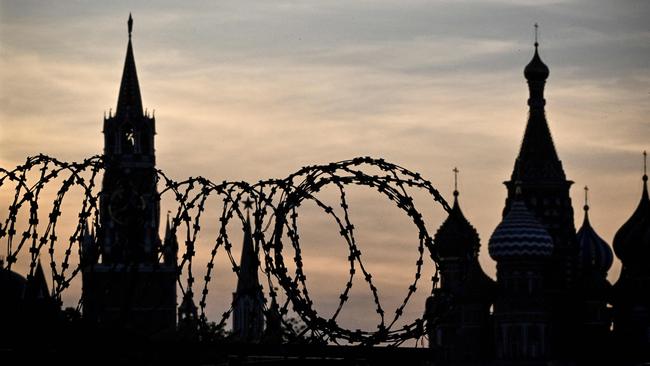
(124, 282)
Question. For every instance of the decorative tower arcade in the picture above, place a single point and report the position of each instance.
(124, 283)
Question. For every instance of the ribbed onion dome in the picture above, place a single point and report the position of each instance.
(456, 237)
(520, 234)
(594, 254)
(632, 241)
(536, 70)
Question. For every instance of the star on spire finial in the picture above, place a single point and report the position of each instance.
(130, 23)
(248, 205)
(586, 206)
(536, 31)
(455, 170)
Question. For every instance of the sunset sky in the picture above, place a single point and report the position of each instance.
(248, 90)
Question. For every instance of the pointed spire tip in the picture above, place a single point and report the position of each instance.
(130, 24)
(645, 166)
(456, 171)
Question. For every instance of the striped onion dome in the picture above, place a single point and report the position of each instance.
(594, 254)
(520, 234)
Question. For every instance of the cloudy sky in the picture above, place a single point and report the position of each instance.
(247, 90)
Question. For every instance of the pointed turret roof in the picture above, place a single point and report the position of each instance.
(187, 307)
(129, 100)
(170, 243)
(168, 230)
(37, 285)
(248, 281)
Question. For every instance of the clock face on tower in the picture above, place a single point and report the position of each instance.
(126, 205)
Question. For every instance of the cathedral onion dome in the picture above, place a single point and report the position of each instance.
(536, 70)
(595, 255)
(456, 237)
(520, 234)
(632, 241)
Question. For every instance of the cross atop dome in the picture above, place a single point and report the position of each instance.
(455, 170)
(536, 70)
(645, 174)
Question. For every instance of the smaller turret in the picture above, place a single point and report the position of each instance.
(464, 289)
(595, 257)
(37, 285)
(89, 250)
(188, 318)
(170, 245)
(248, 300)
(594, 260)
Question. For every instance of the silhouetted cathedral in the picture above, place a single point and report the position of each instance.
(552, 303)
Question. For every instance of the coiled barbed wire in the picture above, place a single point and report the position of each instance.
(273, 205)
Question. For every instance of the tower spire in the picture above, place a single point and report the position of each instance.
(586, 208)
(644, 193)
(455, 170)
(127, 266)
(129, 100)
(248, 300)
(130, 24)
(645, 166)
